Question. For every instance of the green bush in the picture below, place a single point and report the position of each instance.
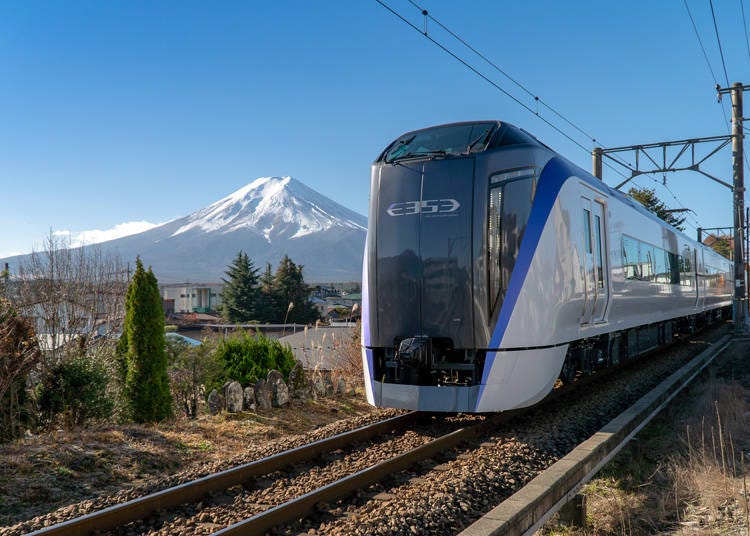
(75, 389)
(193, 372)
(248, 358)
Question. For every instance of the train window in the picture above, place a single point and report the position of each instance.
(646, 259)
(598, 242)
(686, 268)
(509, 207)
(642, 261)
(457, 139)
(493, 244)
(587, 229)
(674, 268)
(514, 137)
(661, 266)
(630, 257)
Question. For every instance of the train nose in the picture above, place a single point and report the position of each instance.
(423, 263)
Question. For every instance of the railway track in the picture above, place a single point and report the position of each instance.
(500, 453)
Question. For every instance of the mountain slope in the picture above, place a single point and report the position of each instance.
(269, 218)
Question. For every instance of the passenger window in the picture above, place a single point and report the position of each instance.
(494, 233)
(646, 258)
(587, 229)
(598, 243)
(630, 257)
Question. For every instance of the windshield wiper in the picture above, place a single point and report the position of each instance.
(417, 154)
(482, 137)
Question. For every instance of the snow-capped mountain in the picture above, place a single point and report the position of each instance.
(276, 207)
(269, 218)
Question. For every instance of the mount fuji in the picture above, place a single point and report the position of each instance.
(267, 219)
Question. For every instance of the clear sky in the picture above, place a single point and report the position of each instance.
(127, 111)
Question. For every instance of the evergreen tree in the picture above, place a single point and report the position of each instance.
(647, 197)
(269, 308)
(240, 295)
(293, 294)
(145, 361)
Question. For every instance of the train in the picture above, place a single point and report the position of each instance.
(494, 268)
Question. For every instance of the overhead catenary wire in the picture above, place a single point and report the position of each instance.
(744, 25)
(494, 84)
(425, 32)
(478, 73)
(718, 40)
(708, 62)
(503, 72)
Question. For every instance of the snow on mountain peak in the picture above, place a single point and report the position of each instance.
(273, 206)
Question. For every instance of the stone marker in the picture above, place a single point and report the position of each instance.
(249, 399)
(215, 402)
(299, 387)
(235, 397)
(262, 395)
(278, 388)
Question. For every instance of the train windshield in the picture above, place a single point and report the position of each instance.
(460, 139)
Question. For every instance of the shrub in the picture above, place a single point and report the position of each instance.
(19, 353)
(75, 389)
(247, 358)
(193, 371)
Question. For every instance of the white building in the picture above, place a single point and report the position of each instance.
(193, 297)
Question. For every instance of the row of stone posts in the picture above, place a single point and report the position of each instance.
(274, 392)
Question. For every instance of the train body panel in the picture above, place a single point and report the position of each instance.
(492, 263)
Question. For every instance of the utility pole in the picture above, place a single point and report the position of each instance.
(596, 162)
(738, 189)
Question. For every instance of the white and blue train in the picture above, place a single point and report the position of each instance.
(494, 266)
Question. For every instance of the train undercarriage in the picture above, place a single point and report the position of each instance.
(428, 361)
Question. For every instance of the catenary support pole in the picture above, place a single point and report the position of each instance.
(739, 205)
(596, 162)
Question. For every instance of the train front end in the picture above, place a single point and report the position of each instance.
(434, 263)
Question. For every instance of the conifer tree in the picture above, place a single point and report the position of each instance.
(293, 294)
(145, 360)
(648, 198)
(268, 309)
(240, 295)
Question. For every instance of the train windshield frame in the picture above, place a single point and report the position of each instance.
(449, 140)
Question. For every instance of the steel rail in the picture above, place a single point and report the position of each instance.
(304, 504)
(121, 514)
(529, 508)
(299, 507)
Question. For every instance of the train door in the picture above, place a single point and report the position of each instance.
(596, 274)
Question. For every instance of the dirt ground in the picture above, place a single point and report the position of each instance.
(40, 473)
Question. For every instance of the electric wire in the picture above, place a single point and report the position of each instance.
(744, 25)
(503, 72)
(700, 42)
(718, 39)
(708, 62)
(466, 64)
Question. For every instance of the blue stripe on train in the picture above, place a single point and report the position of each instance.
(554, 174)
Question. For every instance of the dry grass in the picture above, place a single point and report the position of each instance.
(686, 473)
(42, 472)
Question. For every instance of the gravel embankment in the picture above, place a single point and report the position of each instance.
(478, 478)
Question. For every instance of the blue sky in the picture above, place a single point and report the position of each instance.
(127, 111)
